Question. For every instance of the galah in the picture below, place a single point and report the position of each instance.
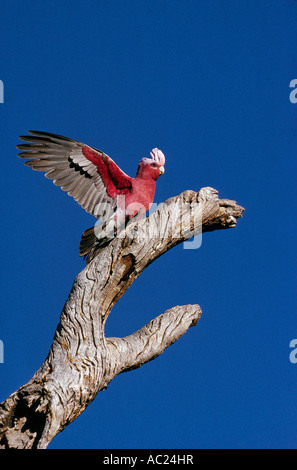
(96, 182)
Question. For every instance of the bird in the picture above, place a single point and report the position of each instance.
(96, 182)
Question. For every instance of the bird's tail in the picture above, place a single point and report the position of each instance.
(87, 242)
(95, 238)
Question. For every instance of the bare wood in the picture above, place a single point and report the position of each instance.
(82, 361)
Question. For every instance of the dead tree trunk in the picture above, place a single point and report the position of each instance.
(81, 360)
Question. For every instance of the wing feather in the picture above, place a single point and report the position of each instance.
(89, 181)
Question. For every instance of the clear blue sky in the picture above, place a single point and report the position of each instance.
(208, 83)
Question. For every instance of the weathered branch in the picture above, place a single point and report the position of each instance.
(81, 360)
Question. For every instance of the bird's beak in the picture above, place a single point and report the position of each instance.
(162, 170)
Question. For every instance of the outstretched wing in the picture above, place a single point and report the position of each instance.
(88, 175)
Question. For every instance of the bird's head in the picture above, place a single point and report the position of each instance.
(152, 167)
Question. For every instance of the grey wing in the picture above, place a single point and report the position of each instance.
(64, 162)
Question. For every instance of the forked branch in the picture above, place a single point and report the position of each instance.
(81, 360)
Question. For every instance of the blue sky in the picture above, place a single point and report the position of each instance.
(208, 83)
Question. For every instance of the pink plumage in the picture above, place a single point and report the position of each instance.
(96, 182)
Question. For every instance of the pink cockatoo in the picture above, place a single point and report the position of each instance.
(96, 182)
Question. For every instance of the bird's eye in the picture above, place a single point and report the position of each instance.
(154, 165)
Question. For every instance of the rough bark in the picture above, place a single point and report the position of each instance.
(81, 360)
